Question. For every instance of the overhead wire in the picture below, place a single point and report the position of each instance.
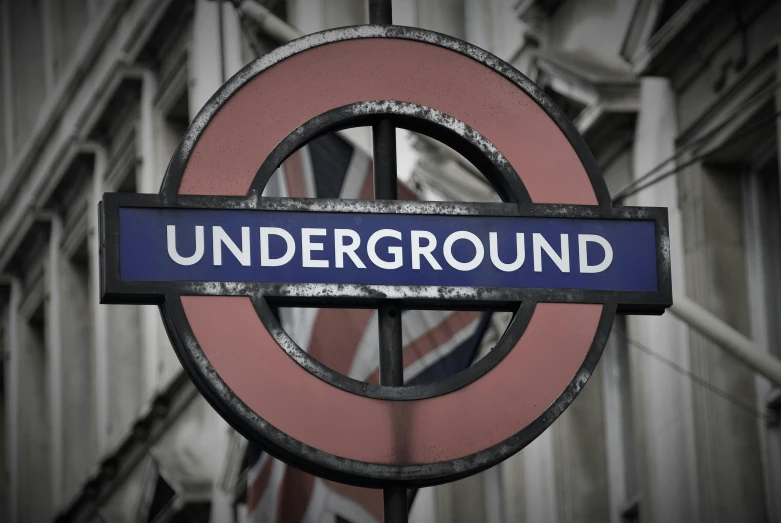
(747, 131)
(760, 96)
(749, 409)
(247, 31)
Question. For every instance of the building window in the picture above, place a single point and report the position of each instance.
(162, 499)
(34, 433)
(77, 363)
(762, 229)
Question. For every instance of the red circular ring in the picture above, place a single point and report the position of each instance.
(247, 127)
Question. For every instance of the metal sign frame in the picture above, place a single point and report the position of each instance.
(115, 290)
(517, 202)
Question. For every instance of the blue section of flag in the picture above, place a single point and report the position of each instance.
(462, 357)
(145, 256)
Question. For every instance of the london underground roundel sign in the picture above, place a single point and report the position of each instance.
(213, 254)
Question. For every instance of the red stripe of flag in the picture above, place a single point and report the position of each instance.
(295, 492)
(433, 339)
(257, 487)
(295, 178)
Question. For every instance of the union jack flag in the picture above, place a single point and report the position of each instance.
(436, 344)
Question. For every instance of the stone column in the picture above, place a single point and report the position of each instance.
(53, 348)
(578, 458)
(663, 398)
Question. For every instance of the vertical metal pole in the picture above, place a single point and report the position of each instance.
(391, 365)
(384, 138)
(381, 12)
(389, 313)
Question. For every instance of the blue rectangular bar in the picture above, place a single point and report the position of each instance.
(165, 244)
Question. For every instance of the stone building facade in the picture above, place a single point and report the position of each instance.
(679, 100)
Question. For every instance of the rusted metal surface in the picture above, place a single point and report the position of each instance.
(389, 312)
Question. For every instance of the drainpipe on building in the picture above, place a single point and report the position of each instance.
(52, 307)
(11, 394)
(273, 26)
(150, 318)
(729, 339)
(100, 330)
(148, 183)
